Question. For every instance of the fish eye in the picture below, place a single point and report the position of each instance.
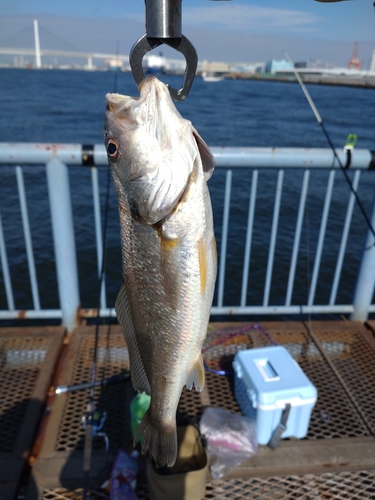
(112, 148)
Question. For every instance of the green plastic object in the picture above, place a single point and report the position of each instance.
(138, 407)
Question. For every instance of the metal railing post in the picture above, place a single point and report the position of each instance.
(364, 288)
(64, 241)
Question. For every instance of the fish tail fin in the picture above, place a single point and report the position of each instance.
(159, 441)
(196, 376)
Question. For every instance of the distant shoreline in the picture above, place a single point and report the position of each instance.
(342, 80)
(366, 82)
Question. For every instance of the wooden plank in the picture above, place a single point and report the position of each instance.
(56, 403)
(310, 457)
(34, 491)
(8, 490)
(368, 333)
(370, 323)
(65, 469)
(10, 468)
(30, 331)
(33, 413)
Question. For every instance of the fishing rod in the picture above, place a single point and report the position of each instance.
(61, 389)
(90, 418)
(343, 169)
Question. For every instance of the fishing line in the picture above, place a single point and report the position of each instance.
(93, 384)
(91, 405)
(320, 121)
(228, 337)
(116, 69)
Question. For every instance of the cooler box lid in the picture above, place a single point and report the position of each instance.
(273, 378)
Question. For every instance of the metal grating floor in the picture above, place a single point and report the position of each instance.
(27, 360)
(340, 486)
(20, 363)
(338, 357)
(355, 362)
(335, 414)
(113, 359)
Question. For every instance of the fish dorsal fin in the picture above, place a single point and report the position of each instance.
(196, 376)
(208, 160)
(139, 377)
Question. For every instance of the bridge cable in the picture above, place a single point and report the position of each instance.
(320, 121)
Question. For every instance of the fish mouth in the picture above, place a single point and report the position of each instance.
(152, 84)
(153, 100)
(150, 88)
(119, 105)
(156, 95)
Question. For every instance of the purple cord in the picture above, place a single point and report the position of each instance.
(243, 330)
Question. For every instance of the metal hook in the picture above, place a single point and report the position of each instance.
(183, 45)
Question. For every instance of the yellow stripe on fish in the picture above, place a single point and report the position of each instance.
(202, 255)
(168, 243)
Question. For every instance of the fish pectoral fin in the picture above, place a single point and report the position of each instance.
(159, 441)
(196, 376)
(208, 160)
(139, 378)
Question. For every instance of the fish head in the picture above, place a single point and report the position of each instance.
(152, 150)
(132, 151)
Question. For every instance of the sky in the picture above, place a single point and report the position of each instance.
(237, 30)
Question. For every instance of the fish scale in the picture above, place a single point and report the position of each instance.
(160, 167)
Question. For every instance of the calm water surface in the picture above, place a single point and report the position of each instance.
(68, 107)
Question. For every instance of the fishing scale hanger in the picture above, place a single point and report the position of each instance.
(163, 25)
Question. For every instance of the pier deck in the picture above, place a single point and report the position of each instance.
(42, 439)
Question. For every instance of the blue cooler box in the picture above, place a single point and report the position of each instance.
(266, 380)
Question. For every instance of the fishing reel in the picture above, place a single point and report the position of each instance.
(96, 419)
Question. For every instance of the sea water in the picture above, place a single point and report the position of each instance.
(69, 106)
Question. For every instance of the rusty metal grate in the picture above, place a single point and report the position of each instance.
(63, 494)
(327, 357)
(115, 399)
(20, 363)
(354, 359)
(339, 486)
(334, 415)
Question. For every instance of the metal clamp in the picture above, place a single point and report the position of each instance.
(183, 45)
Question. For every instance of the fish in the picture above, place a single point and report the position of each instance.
(160, 167)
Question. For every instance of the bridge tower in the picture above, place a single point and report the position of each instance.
(372, 65)
(354, 62)
(38, 60)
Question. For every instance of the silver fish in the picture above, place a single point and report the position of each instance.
(160, 167)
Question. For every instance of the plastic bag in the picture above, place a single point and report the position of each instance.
(124, 477)
(231, 439)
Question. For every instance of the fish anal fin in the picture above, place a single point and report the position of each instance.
(196, 376)
(160, 441)
(138, 373)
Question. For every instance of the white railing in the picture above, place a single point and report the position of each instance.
(57, 158)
